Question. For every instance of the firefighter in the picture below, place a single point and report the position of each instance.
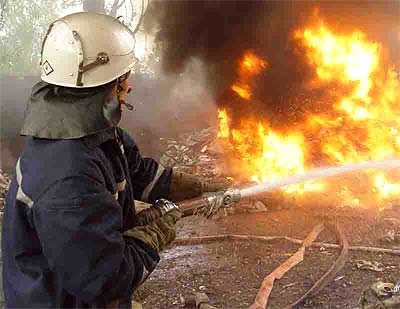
(69, 238)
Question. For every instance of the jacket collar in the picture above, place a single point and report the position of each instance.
(96, 139)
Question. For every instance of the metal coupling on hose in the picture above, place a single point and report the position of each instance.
(165, 206)
(224, 198)
(220, 199)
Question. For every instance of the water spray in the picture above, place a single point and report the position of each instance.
(318, 174)
(209, 203)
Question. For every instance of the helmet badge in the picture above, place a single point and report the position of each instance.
(47, 68)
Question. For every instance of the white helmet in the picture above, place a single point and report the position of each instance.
(86, 50)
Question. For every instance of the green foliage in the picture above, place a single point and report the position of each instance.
(23, 27)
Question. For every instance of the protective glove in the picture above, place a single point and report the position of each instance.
(185, 186)
(161, 232)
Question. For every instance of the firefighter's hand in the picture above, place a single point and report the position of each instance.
(185, 186)
(160, 233)
(212, 187)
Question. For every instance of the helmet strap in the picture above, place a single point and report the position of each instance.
(120, 80)
(102, 58)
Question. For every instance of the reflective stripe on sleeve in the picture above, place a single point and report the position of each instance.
(21, 195)
(150, 186)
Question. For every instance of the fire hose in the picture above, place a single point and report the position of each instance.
(207, 205)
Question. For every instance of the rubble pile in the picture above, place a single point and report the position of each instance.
(197, 153)
(4, 184)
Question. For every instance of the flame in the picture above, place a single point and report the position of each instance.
(343, 58)
(385, 187)
(280, 155)
(369, 123)
(242, 90)
(249, 67)
(223, 123)
(362, 122)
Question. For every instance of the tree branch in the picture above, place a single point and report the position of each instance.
(140, 19)
(115, 7)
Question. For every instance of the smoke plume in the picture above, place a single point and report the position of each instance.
(218, 33)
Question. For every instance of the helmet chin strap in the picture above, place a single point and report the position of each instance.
(120, 89)
(128, 106)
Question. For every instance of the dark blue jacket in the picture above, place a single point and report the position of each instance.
(67, 207)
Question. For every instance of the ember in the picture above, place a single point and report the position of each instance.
(361, 123)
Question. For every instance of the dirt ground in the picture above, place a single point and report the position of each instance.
(230, 272)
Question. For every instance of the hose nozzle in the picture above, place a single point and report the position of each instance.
(219, 199)
(231, 195)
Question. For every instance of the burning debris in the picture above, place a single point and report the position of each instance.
(358, 122)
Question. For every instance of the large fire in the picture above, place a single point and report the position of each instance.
(361, 123)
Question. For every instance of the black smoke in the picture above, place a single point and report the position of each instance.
(218, 33)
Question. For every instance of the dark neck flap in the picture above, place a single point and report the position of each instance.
(56, 113)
